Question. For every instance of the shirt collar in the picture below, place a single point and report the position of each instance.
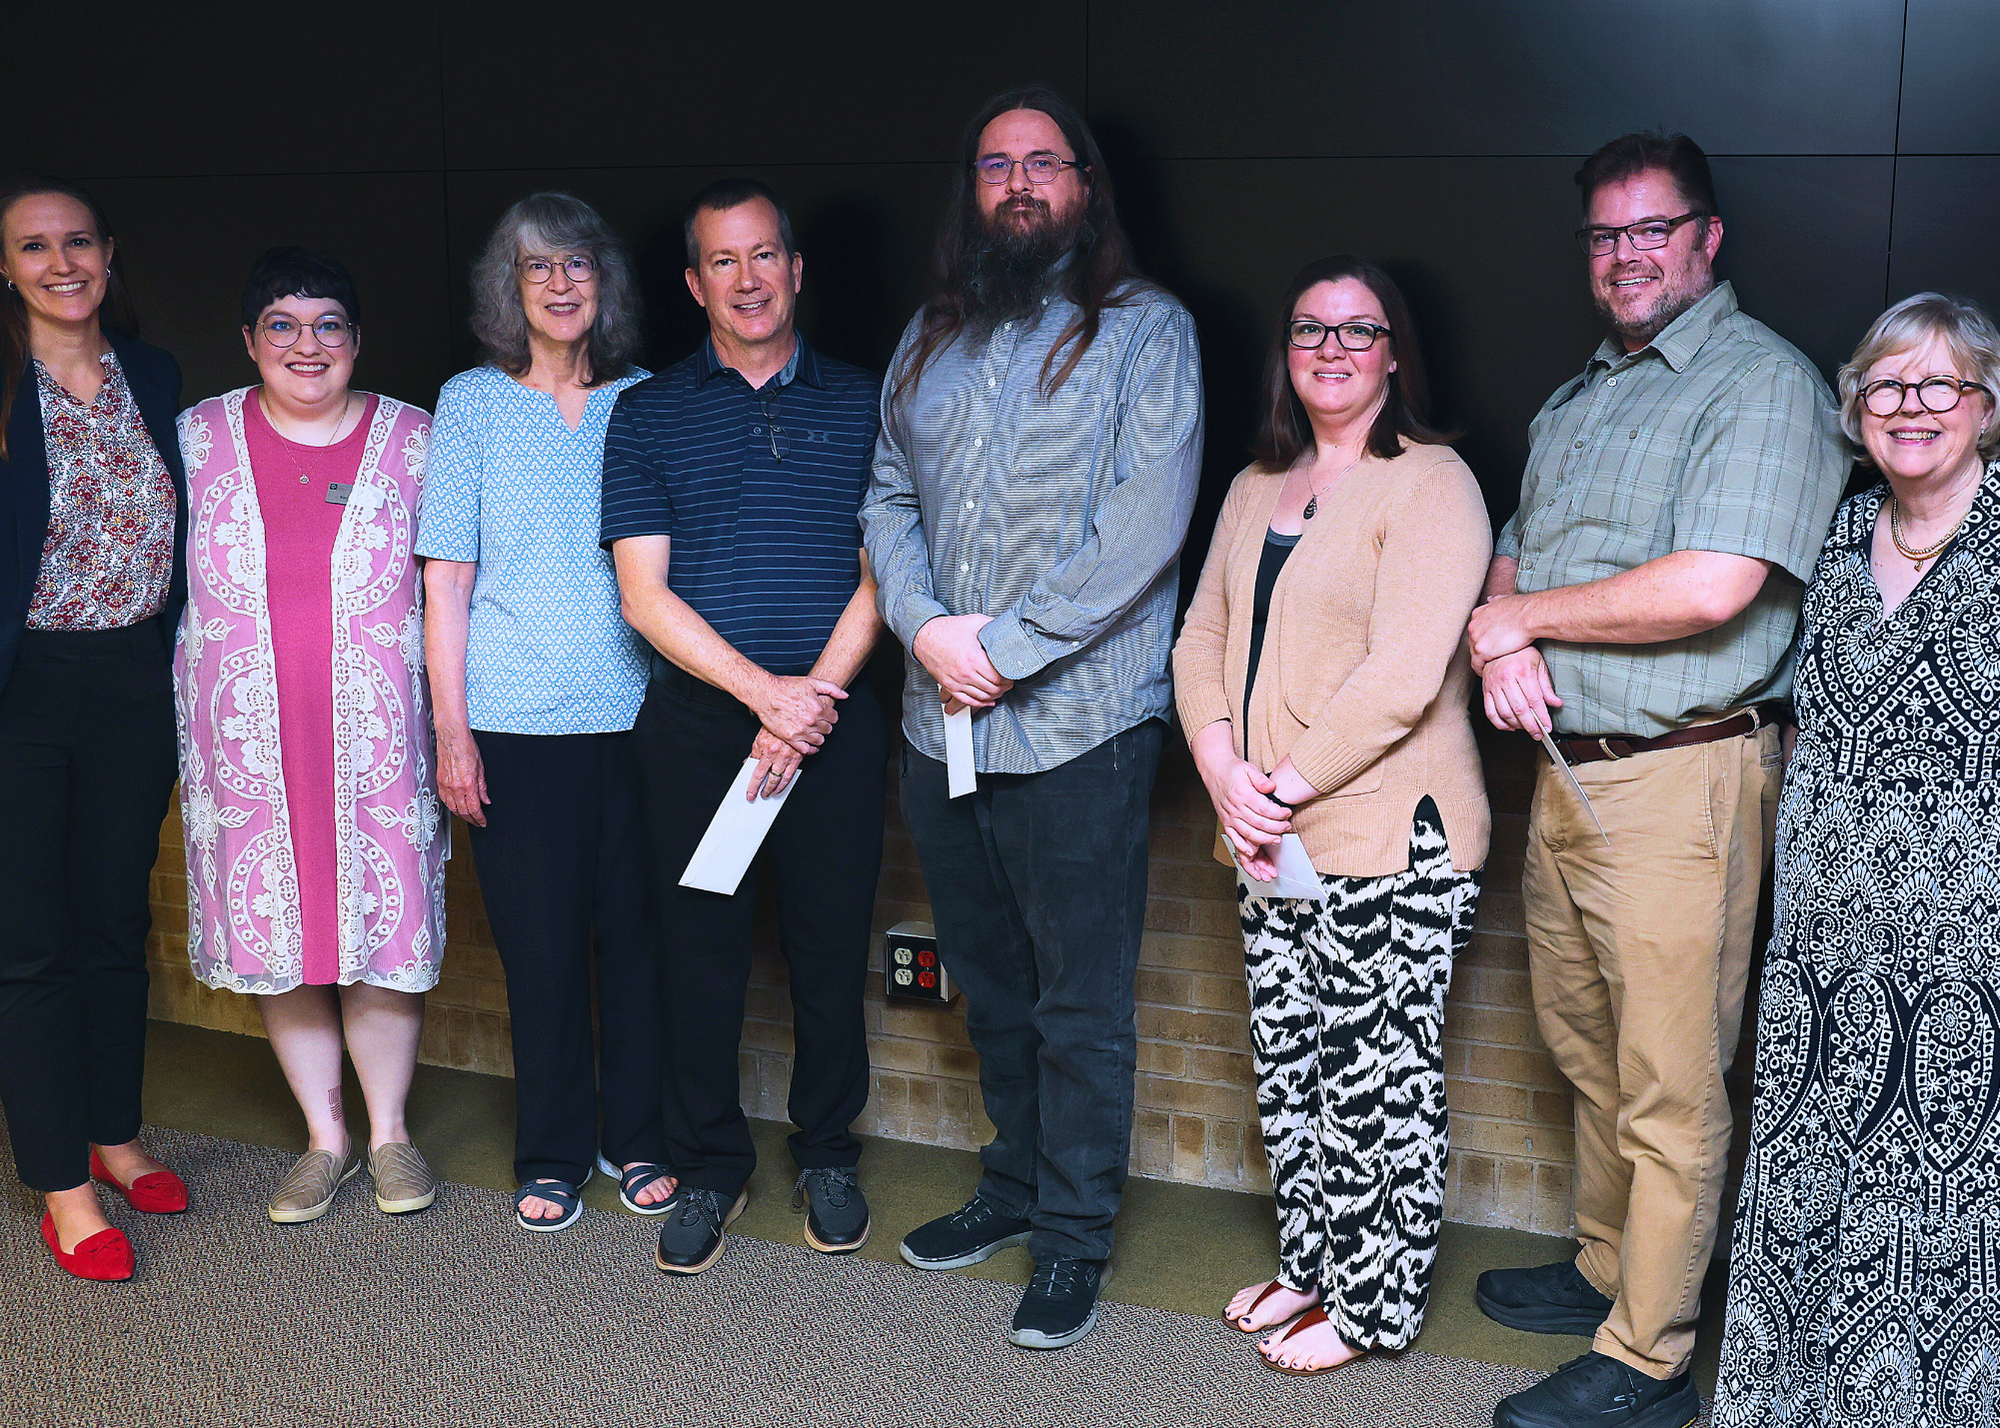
(1684, 336)
(802, 366)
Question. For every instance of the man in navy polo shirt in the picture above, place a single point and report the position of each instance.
(732, 486)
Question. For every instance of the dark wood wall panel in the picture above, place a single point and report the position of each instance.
(1948, 228)
(1951, 103)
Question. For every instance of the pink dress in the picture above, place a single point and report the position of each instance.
(315, 846)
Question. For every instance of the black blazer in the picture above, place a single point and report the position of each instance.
(155, 380)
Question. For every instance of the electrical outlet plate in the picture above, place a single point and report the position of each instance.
(911, 968)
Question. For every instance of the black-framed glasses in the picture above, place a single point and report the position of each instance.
(1645, 235)
(1884, 398)
(781, 445)
(1041, 168)
(328, 331)
(1309, 336)
(580, 269)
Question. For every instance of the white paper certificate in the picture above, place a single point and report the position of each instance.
(1296, 876)
(958, 752)
(734, 835)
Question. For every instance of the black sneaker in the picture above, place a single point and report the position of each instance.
(1061, 1304)
(1600, 1391)
(1548, 1299)
(692, 1238)
(975, 1231)
(836, 1210)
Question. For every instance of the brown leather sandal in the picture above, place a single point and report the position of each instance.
(1255, 1304)
(1311, 1319)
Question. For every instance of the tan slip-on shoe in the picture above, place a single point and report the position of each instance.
(307, 1193)
(403, 1182)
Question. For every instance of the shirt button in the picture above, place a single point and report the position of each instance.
(1612, 382)
(964, 566)
(1006, 327)
(989, 381)
(970, 504)
(1634, 434)
(978, 441)
(1576, 445)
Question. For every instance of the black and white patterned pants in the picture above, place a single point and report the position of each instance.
(1346, 1019)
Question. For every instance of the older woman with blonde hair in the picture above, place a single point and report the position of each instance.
(1862, 1287)
(535, 682)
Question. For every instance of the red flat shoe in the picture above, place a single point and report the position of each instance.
(158, 1192)
(106, 1255)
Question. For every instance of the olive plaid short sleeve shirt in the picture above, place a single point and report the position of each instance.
(1717, 436)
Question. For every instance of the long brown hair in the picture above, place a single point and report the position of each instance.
(1101, 275)
(115, 312)
(1284, 431)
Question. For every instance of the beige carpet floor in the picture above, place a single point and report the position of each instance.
(446, 1318)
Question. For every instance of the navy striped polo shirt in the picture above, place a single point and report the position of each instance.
(766, 550)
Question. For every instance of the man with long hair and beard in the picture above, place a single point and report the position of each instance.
(1040, 451)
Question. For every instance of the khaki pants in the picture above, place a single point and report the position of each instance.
(1640, 950)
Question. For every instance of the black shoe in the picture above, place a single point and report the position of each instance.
(1602, 1392)
(973, 1232)
(836, 1210)
(692, 1238)
(1060, 1305)
(1548, 1299)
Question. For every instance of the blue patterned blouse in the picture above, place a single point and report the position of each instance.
(509, 486)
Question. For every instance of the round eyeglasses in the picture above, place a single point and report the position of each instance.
(578, 268)
(1309, 336)
(1040, 168)
(1884, 398)
(1644, 236)
(327, 331)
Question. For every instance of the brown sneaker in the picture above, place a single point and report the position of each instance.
(307, 1193)
(403, 1182)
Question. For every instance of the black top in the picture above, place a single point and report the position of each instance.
(766, 547)
(155, 380)
(1277, 549)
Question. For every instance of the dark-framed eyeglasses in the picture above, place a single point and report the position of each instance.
(1309, 336)
(781, 444)
(1040, 168)
(1884, 398)
(577, 266)
(328, 331)
(1645, 235)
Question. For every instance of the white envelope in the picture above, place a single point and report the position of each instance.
(1296, 876)
(734, 835)
(959, 776)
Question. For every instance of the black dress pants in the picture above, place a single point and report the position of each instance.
(560, 857)
(824, 852)
(87, 763)
(1038, 889)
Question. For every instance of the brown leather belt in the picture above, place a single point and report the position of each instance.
(1623, 746)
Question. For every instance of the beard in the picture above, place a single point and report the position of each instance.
(1680, 289)
(1011, 263)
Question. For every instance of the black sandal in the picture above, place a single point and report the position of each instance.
(632, 1181)
(560, 1193)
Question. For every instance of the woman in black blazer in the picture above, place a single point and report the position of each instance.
(93, 515)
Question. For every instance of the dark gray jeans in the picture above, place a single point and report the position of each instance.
(1038, 890)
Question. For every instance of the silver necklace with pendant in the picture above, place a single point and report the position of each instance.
(1312, 501)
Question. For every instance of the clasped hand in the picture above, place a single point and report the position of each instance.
(797, 713)
(948, 646)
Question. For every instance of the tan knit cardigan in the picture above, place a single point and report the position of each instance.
(1364, 679)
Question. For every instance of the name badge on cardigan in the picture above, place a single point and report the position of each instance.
(337, 492)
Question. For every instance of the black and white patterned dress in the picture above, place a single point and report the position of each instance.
(1347, 1026)
(1864, 1286)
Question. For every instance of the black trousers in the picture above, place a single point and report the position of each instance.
(1038, 890)
(824, 853)
(560, 858)
(87, 762)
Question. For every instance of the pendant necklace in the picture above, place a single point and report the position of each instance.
(1915, 556)
(1312, 501)
(346, 406)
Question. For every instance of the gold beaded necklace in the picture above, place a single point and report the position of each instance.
(1915, 556)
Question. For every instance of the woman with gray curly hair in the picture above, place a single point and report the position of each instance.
(535, 682)
(1863, 1288)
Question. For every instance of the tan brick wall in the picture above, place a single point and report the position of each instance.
(1196, 1117)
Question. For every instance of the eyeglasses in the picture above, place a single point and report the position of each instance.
(539, 270)
(1041, 168)
(1884, 398)
(1646, 235)
(1309, 336)
(781, 445)
(327, 331)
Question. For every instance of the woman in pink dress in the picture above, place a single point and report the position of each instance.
(315, 851)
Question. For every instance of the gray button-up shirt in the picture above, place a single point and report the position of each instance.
(1061, 515)
(1718, 435)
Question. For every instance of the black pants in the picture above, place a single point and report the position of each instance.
(1038, 889)
(824, 852)
(559, 858)
(87, 762)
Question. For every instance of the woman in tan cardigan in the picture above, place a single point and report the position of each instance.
(1324, 686)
